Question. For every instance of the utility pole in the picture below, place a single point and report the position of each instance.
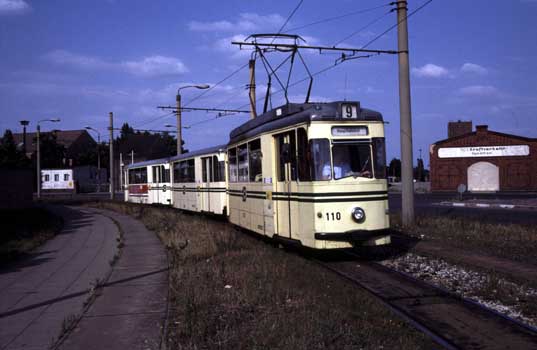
(38, 156)
(406, 117)
(179, 127)
(251, 86)
(38, 163)
(121, 171)
(111, 129)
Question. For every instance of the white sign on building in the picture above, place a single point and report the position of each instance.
(484, 151)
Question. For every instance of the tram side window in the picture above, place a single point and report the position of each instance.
(243, 162)
(254, 158)
(379, 157)
(207, 169)
(219, 168)
(191, 174)
(176, 172)
(232, 159)
(204, 169)
(138, 176)
(155, 174)
(320, 160)
(165, 173)
(184, 171)
(304, 156)
(287, 149)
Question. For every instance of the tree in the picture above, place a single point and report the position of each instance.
(10, 155)
(394, 169)
(52, 153)
(126, 130)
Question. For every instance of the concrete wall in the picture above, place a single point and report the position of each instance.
(16, 188)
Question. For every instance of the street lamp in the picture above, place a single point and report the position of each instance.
(24, 124)
(178, 100)
(98, 157)
(54, 120)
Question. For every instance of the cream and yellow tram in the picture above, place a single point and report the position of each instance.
(199, 180)
(311, 173)
(148, 182)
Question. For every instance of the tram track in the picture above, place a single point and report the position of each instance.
(451, 321)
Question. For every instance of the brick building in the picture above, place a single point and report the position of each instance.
(484, 160)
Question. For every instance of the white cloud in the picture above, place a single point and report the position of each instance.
(478, 90)
(430, 71)
(8, 7)
(247, 22)
(155, 66)
(76, 60)
(150, 66)
(473, 68)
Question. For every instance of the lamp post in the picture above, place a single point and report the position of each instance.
(178, 113)
(54, 120)
(24, 124)
(98, 157)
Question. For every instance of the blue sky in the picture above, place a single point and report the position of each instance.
(78, 60)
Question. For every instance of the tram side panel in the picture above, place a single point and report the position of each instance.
(247, 188)
(213, 183)
(184, 186)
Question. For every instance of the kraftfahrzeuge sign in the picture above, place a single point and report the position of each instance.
(483, 151)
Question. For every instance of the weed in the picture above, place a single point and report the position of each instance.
(514, 242)
(229, 290)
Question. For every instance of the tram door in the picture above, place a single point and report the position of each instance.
(207, 178)
(156, 183)
(285, 183)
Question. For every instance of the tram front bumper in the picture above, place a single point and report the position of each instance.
(352, 236)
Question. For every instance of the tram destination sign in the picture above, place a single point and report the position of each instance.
(484, 151)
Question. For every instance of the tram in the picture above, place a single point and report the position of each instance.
(199, 180)
(148, 182)
(310, 173)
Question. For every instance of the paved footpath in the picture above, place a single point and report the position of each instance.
(42, 290)
(130, 311)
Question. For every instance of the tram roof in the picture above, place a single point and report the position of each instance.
(147, 162)
(296, 113)
(209, 150)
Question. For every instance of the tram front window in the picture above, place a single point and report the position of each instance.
(352, 160)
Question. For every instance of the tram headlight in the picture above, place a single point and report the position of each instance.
(358, 214)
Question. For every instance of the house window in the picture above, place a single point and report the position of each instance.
(56, 177)
(65, 177)
(47, 177)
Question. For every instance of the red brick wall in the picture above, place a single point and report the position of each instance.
(517, 173)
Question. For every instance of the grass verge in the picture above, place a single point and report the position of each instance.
(25, 229)
(513, 242)
(229, 290)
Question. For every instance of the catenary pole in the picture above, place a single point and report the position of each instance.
(251, 86)
(111, 129)
(179, 127)
(406, 117)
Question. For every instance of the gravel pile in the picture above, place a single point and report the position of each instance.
(489, 290)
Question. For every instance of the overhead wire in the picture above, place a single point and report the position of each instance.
(215, 85)
(369, 24)
(334, 18)
(154, 119)
(363, 47)
(338, 63)
(395, 25)
(289, 17)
